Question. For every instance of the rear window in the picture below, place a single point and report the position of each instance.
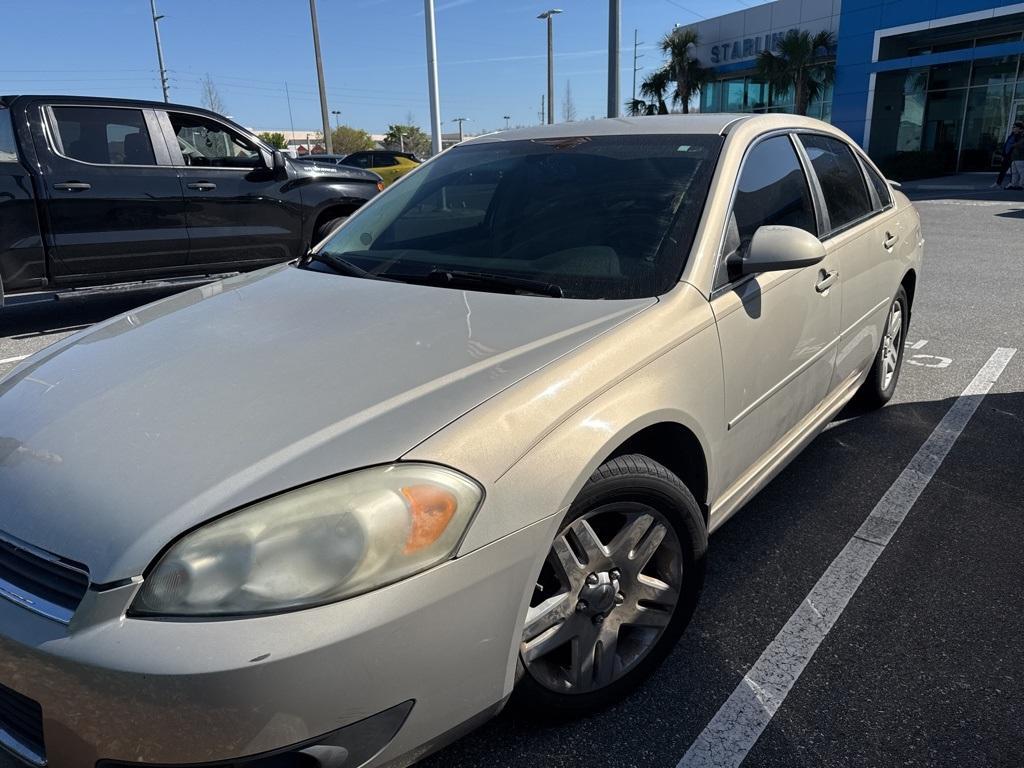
(842, 183)
(603, 217)
(104, 135)
(8, 149)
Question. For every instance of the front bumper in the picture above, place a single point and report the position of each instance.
(166, 692)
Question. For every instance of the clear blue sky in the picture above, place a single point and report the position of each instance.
(491, 54)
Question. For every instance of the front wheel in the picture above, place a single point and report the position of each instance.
(880, 385)
(618, 588)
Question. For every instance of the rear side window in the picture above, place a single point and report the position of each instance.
(881, 186)
(381, 160)
(772, 189)
(359, 161)
(842, 183)
(8, 149)
(103, 135)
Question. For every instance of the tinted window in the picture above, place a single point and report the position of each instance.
(8, 149)
(381, 160)
(206, 143)
(881, 186)
(772, 189)
(103, 135)
(361, 160)
(841, 181)
(600, 217)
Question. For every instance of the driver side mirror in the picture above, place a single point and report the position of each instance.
(272, 160)
(777, 248)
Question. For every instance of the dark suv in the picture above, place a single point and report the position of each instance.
(104, 191)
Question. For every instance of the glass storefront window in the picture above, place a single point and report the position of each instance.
(954, 75)
(733, 95)
(999, 71)
(988, 113)
(942, 119)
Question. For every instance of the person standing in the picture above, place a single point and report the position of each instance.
(1017, 159)
(1015, 138)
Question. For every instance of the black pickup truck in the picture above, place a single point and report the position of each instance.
(96, 192)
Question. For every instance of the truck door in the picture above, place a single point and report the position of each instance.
(240, 213)
(114, 205)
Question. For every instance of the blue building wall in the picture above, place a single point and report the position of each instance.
(859, 19)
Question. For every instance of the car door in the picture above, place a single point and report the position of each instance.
(862, 233)
(777, 330)
(113, 204)
(239, 212)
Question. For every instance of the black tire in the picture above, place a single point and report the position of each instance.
(629, 480)
(327, 227)
(875, 391)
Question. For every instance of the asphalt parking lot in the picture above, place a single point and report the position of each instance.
(923, 665)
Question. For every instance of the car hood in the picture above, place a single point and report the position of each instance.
(115, 441)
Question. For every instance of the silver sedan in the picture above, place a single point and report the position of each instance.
(470, 449)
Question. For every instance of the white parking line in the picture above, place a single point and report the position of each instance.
(13, 359)
(737, 726)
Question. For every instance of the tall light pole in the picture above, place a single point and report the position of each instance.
(435, 113)
(159, 51)
(636, 56)
(507, 118)
(614, 32)
(548, 15)
(328, 144)
(337, 118)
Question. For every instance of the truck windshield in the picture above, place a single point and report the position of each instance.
(604, 217)
(8, 149)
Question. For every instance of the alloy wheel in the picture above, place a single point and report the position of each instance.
(607, 591)
(891, 344)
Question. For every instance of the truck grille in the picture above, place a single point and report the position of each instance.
(21, 727)
(39, 581)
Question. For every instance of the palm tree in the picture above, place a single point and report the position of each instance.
(680, 46)
(653, 89)
(800, 61)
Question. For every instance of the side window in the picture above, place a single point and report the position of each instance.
(208, 144)
(881, 186)
(772, 189)
(8, 149)
(842, 183)
(383, 160)
(361, 160)
(104, 135)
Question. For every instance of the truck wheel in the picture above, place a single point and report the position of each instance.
(325, 229)
(617, 590)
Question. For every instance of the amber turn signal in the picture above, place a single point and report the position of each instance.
(431, 509)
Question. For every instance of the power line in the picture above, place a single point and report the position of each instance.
(688, 10)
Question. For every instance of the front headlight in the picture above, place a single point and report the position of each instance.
(314, 545)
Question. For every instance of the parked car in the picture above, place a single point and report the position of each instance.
(329, 160)
(103, 191)
(389, 164)
(471, 447)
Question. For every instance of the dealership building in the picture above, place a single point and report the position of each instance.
(928, 87)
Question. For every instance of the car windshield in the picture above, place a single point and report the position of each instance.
(609, 217)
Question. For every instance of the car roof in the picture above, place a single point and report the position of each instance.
(705, 123)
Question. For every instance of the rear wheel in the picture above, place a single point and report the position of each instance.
(880, 385)
(618, 588)
(324, 229)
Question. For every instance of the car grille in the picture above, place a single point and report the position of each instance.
(39, 581)
(21, 726)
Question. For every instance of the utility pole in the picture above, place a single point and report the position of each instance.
(288, 97)
(460, 121)
(507, 118)
(540, 115)
(328, 144)
(160, 52)
(614, 33)
(636, 44)
(435, 98)
(548, 16)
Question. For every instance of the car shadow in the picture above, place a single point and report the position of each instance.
(762, 563)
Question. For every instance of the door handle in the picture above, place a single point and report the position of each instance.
(826, 281)
(202, 186)
(890, 240)
(72, 186)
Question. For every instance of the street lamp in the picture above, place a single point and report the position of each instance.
(507, 118)
(548, 15)
(337, 118)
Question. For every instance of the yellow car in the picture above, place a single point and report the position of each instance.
(390, 165)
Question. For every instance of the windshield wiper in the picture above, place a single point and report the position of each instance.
(456, 277)
(343, 266)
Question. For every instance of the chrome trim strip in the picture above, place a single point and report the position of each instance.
(28, 600)
(20, 749)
